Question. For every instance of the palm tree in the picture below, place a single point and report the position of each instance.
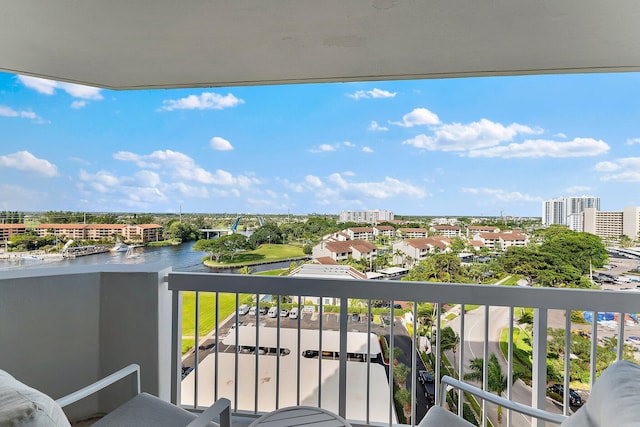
(449, 340)
(496, 380)
(245, 270)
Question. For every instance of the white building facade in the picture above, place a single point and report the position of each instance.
(568, 210)
(368, 217)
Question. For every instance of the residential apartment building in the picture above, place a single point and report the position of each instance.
(412, 233)
(360, 233)
(411, 251)
(141, 233)
(612, 223)
(501, 241)
(631, 222)
(450, 231)
(8, 230)
(384, 230)
(472, 230)
(368, 217)
(567, 210)
(341, 251)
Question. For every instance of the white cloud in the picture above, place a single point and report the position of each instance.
(502, 195)
(147, 178)
(418, 117)
(627, 169)
(578, 189)
(375, 93)
(560, 135)
(27, 162)
(313, 181)
(101, 181)
(10, 112)
(325, 148)
(205, 101)
(632, 141)
(220, 144)
(76, 105)
(179, 165)
(49, 87)
(579, 147)
(376, 127)
(462, 137)
(389, 187)
(367, 150)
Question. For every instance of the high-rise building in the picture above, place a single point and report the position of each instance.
(631, 222)
(568, 210)
(369, 217)
(613, 224)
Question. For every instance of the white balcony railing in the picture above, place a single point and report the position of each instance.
(274, 373)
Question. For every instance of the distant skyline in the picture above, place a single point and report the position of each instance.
(465, 147)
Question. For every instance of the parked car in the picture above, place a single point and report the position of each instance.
(310, 353)
(574, 397)
(424, 377)
(355, 317)
(284, 312)
(243, 309)
(263, 311)
(253, 310)
(273, 312)
(293, 314)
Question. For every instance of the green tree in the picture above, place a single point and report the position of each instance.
(449, 341)
(496, 380)
(245, 270)
(269, 233)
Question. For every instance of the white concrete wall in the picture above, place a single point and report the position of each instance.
(63, 328)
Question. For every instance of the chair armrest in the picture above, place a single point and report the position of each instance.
(498, 400)
(100, 384)
(221, 407)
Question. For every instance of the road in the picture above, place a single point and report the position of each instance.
(474, 347)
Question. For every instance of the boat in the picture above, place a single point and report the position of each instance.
(119, 247)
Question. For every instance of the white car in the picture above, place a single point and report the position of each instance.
(273, 312)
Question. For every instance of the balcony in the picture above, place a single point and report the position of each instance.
(64, 328)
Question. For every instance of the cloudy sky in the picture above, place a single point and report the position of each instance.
(429, 147)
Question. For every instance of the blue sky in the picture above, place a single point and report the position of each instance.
(476, 146)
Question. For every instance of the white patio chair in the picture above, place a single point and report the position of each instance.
(21, 405)
(613, 401)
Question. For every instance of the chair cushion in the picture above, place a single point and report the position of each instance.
(437, 416)
(614, 399)
(147, 410)
(21, 405)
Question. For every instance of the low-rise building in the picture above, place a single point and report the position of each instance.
(325, 271)
(410, 251)
(9, 230)
(411, 233)
(142, 233)
(450, 231)
(384, 230)
(472, 230)
(360, 233)
(502, 241)
(341, 251)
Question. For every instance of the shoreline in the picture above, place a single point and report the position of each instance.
(251, 264)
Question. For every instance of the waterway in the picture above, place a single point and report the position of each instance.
(180, 258)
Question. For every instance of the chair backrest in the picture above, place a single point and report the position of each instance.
(613, 401)
(23, 406)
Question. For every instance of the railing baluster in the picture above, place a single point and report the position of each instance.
(342, 378)
(510, 363)
(621, 320)
(414, 363)
(594, 346)
(368, 391)
(217, 328)
(567, 360)
(236, 369)
(176, 354)
(298, 353)
(256, 351)
(320, 333)
(436, 307)
(391, 373)
(461, 361)
(278, 353)
(196, 361)
(539, 371)
(485, 363)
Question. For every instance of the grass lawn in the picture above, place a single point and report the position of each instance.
(277, 272)
(521, 350)
(207, 313)
(264, 253)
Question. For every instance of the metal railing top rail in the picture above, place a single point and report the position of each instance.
(460, 293)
